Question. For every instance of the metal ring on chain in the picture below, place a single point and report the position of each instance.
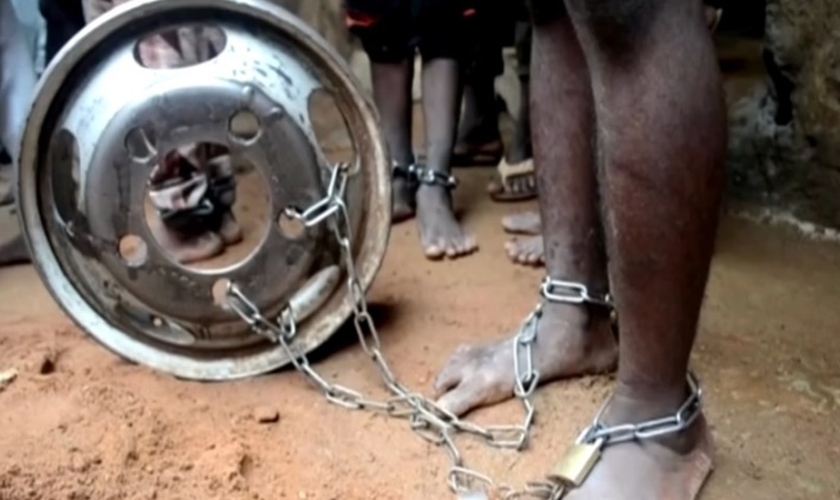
(102, 122)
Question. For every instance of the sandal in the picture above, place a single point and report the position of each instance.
(572, 471)
(504, 188)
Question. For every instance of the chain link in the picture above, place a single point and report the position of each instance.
(427, 419)
(572, 293)
(681, 420)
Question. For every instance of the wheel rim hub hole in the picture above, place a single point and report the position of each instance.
(207, 209)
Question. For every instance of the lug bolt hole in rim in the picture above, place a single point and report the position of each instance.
(281, 108)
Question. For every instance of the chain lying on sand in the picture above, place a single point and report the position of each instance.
(427, 419)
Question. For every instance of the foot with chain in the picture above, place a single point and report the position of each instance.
(571, 335)
(441, 235)
(652, 447)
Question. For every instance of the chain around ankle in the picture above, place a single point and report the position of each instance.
(570, 292)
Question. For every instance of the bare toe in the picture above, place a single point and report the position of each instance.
(571, 343)
(523, 223)
(527, 251)
(476, 376)
(434, 251)
(440, 233)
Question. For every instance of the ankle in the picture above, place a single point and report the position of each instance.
(434, 193)
(582, 317)
(631, 406)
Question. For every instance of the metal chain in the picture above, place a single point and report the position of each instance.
(430, 177)
(428, 420)
(572, 293)
(681, 420)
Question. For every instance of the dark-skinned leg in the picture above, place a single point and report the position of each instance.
(478, 133)
(661, 135)
(392, 95)
(440, 233)
(521, 149)
(516, 180)
(571, 340)
(479, 139)
(530, 250)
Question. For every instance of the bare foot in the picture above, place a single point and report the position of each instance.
(671, 468)
(230, 230)
(528, 251)
(569, 342)
(440, 234)
(519, 187)
(404, 201)
(523, 223)
(186, 250)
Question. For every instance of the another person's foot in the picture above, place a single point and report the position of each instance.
(528, 222)
(440, 233)
(570, 342)
(528, 251)
(669, 468)
(230, 230)
(404, 202)
(188, 249)
(514, 182)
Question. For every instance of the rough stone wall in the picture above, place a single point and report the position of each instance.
(785, 137)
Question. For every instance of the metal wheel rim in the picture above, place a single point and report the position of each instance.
(370, 153)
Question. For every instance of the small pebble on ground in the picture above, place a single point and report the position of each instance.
(7, 377)
(266, 415)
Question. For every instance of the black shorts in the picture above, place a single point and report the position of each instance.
(544, 11)
(394, 30)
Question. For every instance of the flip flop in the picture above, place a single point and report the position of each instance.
(502, 190)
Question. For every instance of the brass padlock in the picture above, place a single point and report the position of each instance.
(579, 461)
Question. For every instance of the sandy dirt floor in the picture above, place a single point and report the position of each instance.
(78, 423)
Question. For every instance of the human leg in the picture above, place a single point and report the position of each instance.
(517, 179)
(440, 232)
(392, 95)
(63, 18)
(571, 339)
(17, 84)
(479, 140)
(661, 139)
(384, 33)
(445, 43)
